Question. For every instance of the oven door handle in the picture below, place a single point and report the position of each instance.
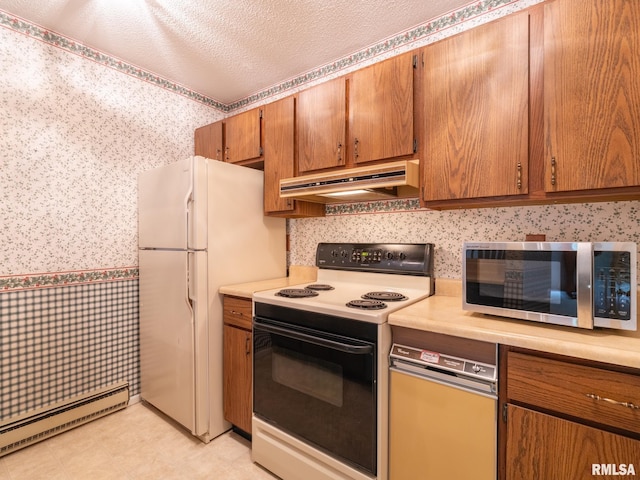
(323, 342)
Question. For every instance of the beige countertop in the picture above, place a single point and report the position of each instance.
(442, 313)
(297, 274)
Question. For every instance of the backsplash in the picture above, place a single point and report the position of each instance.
(404, 221)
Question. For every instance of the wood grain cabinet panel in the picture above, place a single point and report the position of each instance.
(278, 124)
(572, 389)
(541, 446)
(591, 94)
(237, 362)
(237, 311)
(208, 141)
(381, 110)
(321, 122)
(475, 100)
(565, 417)
(243, 136)
(238, 396)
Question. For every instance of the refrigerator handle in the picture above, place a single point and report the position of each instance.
(190, 278)
(188, 204)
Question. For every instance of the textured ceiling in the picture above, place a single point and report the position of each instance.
(228, 50)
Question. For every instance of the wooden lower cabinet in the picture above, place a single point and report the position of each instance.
(567, 418)
(541, 446)
(238, 364)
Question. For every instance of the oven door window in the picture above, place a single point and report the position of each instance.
(318, 387)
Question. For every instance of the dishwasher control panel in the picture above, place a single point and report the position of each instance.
(448, 363)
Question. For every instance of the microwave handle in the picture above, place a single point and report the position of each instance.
(584, 279)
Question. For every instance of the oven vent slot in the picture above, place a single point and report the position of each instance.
(32, 427)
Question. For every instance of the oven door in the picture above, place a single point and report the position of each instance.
(319, 387)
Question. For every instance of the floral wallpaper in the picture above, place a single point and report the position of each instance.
(73, 137)
(404, 221)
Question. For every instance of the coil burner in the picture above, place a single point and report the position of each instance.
(367, 304)
(320, 286)
(384, 296)
(296, 293)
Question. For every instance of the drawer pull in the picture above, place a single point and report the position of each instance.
(233, 312)
(614, 402)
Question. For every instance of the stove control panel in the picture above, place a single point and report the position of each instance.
(401, 258)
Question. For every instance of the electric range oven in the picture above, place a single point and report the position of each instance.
(321, 361)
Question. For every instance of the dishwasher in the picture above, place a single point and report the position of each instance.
(443, 409)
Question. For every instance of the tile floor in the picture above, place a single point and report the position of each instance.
(136, 443)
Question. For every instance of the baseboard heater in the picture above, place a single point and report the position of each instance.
(24, 430)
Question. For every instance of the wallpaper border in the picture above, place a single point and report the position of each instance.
(67, 44)
(31, 281)
(456, 17)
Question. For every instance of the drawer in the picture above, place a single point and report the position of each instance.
(237, 311)
(595, 394)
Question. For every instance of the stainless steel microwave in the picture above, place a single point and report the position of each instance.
(578, 284)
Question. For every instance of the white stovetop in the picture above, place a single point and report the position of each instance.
(351, 286)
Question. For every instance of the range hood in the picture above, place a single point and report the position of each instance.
(376, 182)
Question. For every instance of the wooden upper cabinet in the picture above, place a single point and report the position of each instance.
(381, 110)
(592, 94)
(476, 112)
(278, 152)
(321, 121)
(242, 136)
(209, 141)
(278, 125)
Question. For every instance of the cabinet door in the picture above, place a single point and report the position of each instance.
(541, 446)
(238, 398)
(278, 152)
(476, 128)
(381, 110)
(321, 118)
(208, 141)
(592, 94)
(242, 136)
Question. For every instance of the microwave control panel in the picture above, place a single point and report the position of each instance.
(612, 284)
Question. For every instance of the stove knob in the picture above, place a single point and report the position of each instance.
(334, 253)
(402, 256)
(389, 255)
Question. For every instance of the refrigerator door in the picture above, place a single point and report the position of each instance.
(164, 198)
(167, 350)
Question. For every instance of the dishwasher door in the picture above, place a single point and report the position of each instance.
(440, 430)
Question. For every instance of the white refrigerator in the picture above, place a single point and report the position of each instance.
(200, 226)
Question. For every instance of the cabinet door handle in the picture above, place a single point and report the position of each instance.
(355, 148)
(218, 152)
(237, 313)
(226, 153)
(247, 345)
(613, 402)
(519, 181)
(553, 170)
(339, 152)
